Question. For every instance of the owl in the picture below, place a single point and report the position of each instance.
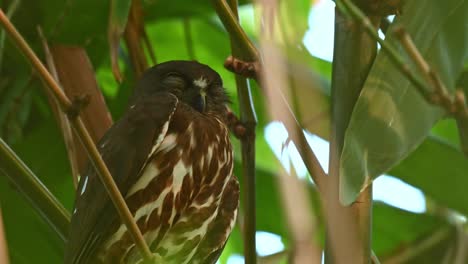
(172, 160)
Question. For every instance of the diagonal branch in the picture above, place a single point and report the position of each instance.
(347, 6)
(251, 67)
(3, 243)
(45, 203)
(72, 112)
(61, 118)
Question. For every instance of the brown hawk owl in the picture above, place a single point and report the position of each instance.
(171, 158)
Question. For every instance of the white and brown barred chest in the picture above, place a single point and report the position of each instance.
(187, 172)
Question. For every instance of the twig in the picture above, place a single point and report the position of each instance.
(11, 10)
(311, 162)
(249, 121)
(3, 242)
(246, 69)
(408, 253)
(62, 120)
(234, 29)
(133, 35)
(374, 258)
(85, 138)
(346, 5)
(301, 221)
(461, 116)
(348, 238)
(439, 94)
(48, 207)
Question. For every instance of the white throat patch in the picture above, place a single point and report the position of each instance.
(200, 82)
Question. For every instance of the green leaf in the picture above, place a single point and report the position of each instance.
(440, 170)
(391, 118)
(393, 227)
(32, 189)
(43, 151)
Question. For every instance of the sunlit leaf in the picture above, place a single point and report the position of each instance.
(391, 118)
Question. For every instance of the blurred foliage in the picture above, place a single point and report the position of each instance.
(390, 106)
(437, 167)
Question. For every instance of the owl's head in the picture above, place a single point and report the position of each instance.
(193, 83)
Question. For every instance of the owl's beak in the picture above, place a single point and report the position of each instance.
(203, 99)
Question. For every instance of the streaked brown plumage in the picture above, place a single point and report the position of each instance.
(172, 160)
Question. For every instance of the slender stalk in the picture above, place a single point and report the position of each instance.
(310, 159)
(411, 251)
(45, 203)
(249, 119)
(84, 136)
(61, 118)
(3, 244)
(439, 93)
(231, 23)
(348, 228)
(11, 10)
(356, 13)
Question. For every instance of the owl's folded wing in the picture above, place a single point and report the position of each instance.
(125, 149)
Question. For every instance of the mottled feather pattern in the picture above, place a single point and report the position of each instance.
(124, 156)
(171, 158)
(184, 194)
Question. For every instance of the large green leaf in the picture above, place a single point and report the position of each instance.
(443, 177)
(45, 154)
(393, 228)
(391, 118)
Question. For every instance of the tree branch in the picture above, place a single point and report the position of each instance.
(348, 228)
(249, 120)
(347, 6)
(45, 203)
(85, 138)
(3, 243)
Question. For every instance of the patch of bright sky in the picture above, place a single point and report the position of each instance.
(319, 38)
(267, 244)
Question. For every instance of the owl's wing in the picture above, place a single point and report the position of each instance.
(125, 149)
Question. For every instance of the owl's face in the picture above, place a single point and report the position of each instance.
(194, 84)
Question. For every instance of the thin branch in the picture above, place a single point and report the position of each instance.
(249, 120)
(61, 118)
(440, 95)
(85, 138)
(133, 35)
(234, 29)
(346, 5)
(3, 243)
(254, 70)
(411, 251)
(48, 207)
(246, 69)
(11, 10)
(461, 114)
(348, 238)
(300, 218)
